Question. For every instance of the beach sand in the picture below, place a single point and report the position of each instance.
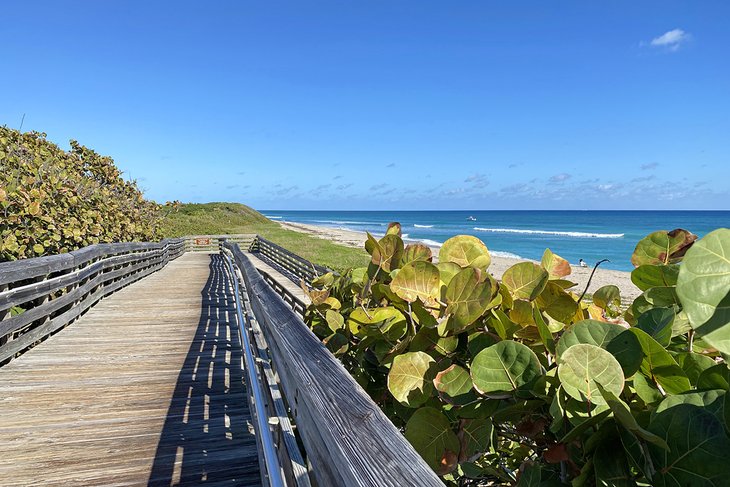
(499, 264)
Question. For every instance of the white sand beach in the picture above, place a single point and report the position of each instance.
(500, 264)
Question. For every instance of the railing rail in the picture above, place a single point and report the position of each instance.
(210, 243)
(287, 260)
(41, 295)
(347, 438)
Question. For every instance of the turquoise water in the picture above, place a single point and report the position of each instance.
(587, 235)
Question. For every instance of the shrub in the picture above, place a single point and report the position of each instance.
(521, 382)
(53, 201)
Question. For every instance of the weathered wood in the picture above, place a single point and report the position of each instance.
(289, 261)
(348, 439)
(54, 290)
(144, 389)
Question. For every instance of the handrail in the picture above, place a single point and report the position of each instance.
(347, 438)
(41, 295)
(289, 261)
(264, 437)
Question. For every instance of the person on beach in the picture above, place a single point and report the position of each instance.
(582, 263)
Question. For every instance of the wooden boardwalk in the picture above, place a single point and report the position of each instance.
(145, 389)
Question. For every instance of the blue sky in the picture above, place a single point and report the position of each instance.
(385, 104)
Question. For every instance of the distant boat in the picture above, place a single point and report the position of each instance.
(471, 218)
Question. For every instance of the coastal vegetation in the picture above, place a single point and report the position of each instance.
(54, 201)
(521, 382)
(235, 218)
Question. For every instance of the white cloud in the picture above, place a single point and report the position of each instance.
(671, 39)
(559, 178)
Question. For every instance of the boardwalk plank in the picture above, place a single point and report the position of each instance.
(145, 388)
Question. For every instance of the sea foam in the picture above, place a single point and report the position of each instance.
(550, 232)
(422, 226)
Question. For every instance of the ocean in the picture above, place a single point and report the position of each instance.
(574, 235)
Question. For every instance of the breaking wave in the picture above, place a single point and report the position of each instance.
(422, 226)
(550, 232)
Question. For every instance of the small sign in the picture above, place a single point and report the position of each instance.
(202, 241)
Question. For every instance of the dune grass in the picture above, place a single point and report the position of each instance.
(232, 218)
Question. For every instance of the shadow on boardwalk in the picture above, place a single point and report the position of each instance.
(205, 439)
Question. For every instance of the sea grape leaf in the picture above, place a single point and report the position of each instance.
(453, 381)
(698, 448)
(466, 251)
(416, 251)
(647, 276)
(659, 365)
(657, 322)
(334, 320)
(475, 436)
(583, 366)
(545, 335)
(337, 343)
(479, 341)
(609, 336)
(504, 367)
(703, 287)
(525, 280)
(611, 470)
(607, 297)
(712, 401)
(467, 298)
(410, 379)
(430, 433)
(554, 301)
(388, 253)
(625, 417)
(694, 364)
(417, 280)
(555, 265)
(394, 228)
(447, 271)
(715, 377)
(662, 247)
(388, 322)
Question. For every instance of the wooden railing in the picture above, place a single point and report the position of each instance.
(41, 295)
(211, 243)
(290, 262)
(347, 438)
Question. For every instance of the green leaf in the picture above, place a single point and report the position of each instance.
(554, 301)
(466, 251)
(430, 433)
(447, 271)
(334, 320)
(416, 251)
(657, 322)
(698, 448)
(475, 436)
(504, 367)
(703, 287)
(659, 365)
(649, 276)
(609, 336)
(545, 334)
(694, 364)
(555, 265)
(716, 377)
(662, 247)
(467, 298)
(417, 280)
(453, 381)
(525, 280)
(612, 469)
(583, 366)
(386, 322)
(607, 297)
(623, 415)
(410, 379)
(712, 401)
(388, 252)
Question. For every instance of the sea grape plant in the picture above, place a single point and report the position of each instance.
(54, 201)
(520, 382)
